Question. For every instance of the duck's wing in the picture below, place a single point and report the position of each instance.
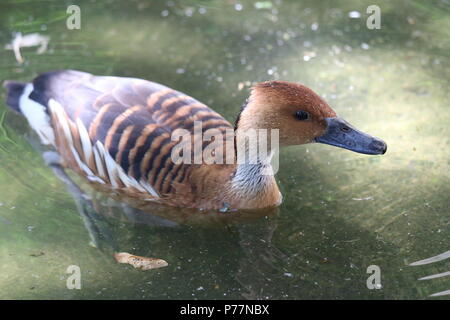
(119, 129)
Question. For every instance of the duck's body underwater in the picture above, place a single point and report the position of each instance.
(117, 132)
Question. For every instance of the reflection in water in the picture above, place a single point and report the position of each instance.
(260, 258)
(143, 212)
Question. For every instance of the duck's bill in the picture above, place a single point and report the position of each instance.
(341, 134)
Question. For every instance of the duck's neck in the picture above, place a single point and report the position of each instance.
(247, 185)
(254, 150)
(252, 187)
(253, 182)
(252, 172)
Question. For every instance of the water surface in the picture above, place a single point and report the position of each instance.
(342, 211)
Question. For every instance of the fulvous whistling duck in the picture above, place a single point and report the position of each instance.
(117, 132)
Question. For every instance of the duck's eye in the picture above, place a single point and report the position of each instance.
(302, 115)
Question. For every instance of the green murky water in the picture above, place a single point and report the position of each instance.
(342, 211)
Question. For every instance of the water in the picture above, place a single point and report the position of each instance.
(342, 211)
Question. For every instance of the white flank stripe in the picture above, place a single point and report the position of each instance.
(116, 172)
(111, 165)
(58, 110)
(37, 116)
(82, 165)
(85, 140)
(40, 122)
(149, 188)
(129, 181)
(62, 120)
(95, 179)
(98, 157)
(99, 162)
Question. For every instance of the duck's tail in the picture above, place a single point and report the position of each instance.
(18, 99)
(15, 91)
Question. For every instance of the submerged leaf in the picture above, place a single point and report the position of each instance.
(141, 263)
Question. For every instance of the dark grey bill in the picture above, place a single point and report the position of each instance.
(341, 134)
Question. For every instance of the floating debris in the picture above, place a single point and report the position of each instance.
(439, 257)
(263, 5)
(411, 20)
(434, 276)
(440, 294)
(365, 46)
(362, 199)
(35, 255)
(354, 14)
(29, 40)
(308, 55)
(141, 263)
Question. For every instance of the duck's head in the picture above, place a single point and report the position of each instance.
(302, 117)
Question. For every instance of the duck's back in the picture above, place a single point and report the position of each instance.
(116, 130)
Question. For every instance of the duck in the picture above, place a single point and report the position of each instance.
(118, 134)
